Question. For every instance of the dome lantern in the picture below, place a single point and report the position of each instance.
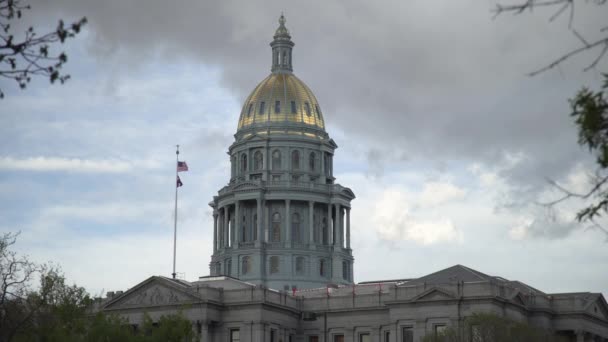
(281, 48)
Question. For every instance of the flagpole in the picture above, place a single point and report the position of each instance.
(175, 216)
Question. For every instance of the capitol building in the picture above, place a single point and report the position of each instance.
(282, 268)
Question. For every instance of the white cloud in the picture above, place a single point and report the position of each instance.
(436, 193)
(393, 220)
(44, 164)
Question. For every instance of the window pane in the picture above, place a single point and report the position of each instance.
(408, 334)
(262, 105)
(364, 338)
(293, 110)
(235, 335)
(277, 107)
(338, 338)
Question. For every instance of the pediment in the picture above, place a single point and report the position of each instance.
(598, 308)
(434, 294)
(152, 292)
(518, 298)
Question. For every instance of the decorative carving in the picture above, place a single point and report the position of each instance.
(154, 295)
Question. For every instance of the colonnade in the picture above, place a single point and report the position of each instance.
(227, 232)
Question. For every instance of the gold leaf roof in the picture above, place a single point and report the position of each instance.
(281, 99)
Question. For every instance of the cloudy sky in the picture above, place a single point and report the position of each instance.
(446, 142)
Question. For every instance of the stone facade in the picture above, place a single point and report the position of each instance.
(282, 266)
(389, 311)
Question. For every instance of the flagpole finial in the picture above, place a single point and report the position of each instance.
(177, 150)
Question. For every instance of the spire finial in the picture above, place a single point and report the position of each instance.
(282, 19)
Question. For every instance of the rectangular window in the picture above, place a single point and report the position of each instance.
(277, 107)
(387, 336)
(365, 337)
(293, 107)
(338, 338)
(408, 334)
(250, 109)
(313, 338)
(262, 106)
(273, 334)
(439, 328)
(235, 335)
(307, 107)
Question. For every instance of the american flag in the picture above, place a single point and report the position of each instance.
(179, 182)
(182, 166)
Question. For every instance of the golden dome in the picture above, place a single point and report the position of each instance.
(281, 100)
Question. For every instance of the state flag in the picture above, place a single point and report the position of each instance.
(179, 182)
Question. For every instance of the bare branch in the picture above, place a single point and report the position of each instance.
(598, 58)
(568, 55)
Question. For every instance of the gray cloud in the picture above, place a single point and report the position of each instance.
(432, 80)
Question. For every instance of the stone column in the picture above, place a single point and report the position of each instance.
(348, 227)
(237, 224)
(287, 223)
(260, 232)
(329, 225)
(338, 226)
(266, 223)
(214, 231)
(226, 230)
(311, 224)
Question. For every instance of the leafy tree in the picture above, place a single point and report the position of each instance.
(485, 327)
(59, 312)
(169, 328)
(29, 54)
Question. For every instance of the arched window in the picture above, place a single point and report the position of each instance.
(324, 231)
(295, 228)
(307, 108)
(300, 265)
(274, 264)
(295, 160)
(255, 226)
(250, 109)
(327, 164)
(258, 161)
(276, 160)
(311, 161)
(276, 227)
(322, 270)
(345, 270)
(244, 162)
(246, 265)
